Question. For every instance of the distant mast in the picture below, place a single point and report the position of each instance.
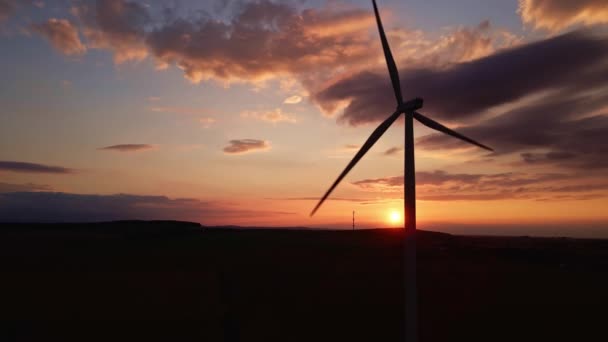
(353, 220)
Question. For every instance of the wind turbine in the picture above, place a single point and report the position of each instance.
(409, 109)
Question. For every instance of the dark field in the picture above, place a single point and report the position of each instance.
(173, 281)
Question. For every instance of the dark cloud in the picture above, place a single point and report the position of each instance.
(6, 8)
(65, 207)
(246, 145)
(553, 95)
(444, 186)
(466, 90)
(8, 187)
(117, 25)
(62, 35)
(128, 147)
(14, 166)
(550, 132)
(393, 151)
(555, 15)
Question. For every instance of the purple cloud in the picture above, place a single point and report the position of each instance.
(14, 166)
(66, 207)
(128, 147)
(246, 145)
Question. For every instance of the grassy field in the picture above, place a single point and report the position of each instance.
(172, 281)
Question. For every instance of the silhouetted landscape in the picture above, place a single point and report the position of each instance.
(176, 281)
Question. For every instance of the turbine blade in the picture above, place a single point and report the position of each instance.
(366, 147)
(390, 61)
(441, 128)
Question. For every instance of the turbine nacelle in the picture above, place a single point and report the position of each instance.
(410, 106)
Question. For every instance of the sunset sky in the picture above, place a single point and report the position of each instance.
(244, 112)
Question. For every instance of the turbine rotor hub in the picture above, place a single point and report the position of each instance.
(411, 105)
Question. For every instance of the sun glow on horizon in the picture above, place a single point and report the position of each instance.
(394, 217)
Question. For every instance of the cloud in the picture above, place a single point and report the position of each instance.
(6, 9)
(207, 122)
(273, 116)
(440, 185)
(556, 15)
(13, 166)
(128, 147)
(66, 207)
(263, 40)
(440, 177)
(62, 35)
(460, 44)
(246, 145)
(116, 25)
(293, 99)
(393, 151)
(202, 113)
(179, 110)
(8, 187)
(259, 40)
(552, 131)
(339, 199)
(467, 90)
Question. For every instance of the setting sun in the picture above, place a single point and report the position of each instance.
(394, 217)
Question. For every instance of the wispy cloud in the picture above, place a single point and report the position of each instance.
(555, 15)
(14, 166)
(275, 116)
(128, 148)
(440, 185)
(393, 151)
(207, 122)
(62, 34)
(179, 110)
(243, 146)
(339, 199)
(202, 115)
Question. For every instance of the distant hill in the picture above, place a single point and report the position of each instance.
(179, 281)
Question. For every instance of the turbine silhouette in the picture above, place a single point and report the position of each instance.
(409, 109)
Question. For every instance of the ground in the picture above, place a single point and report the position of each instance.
(171, 281)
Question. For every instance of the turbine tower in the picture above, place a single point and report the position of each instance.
(409, 109)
